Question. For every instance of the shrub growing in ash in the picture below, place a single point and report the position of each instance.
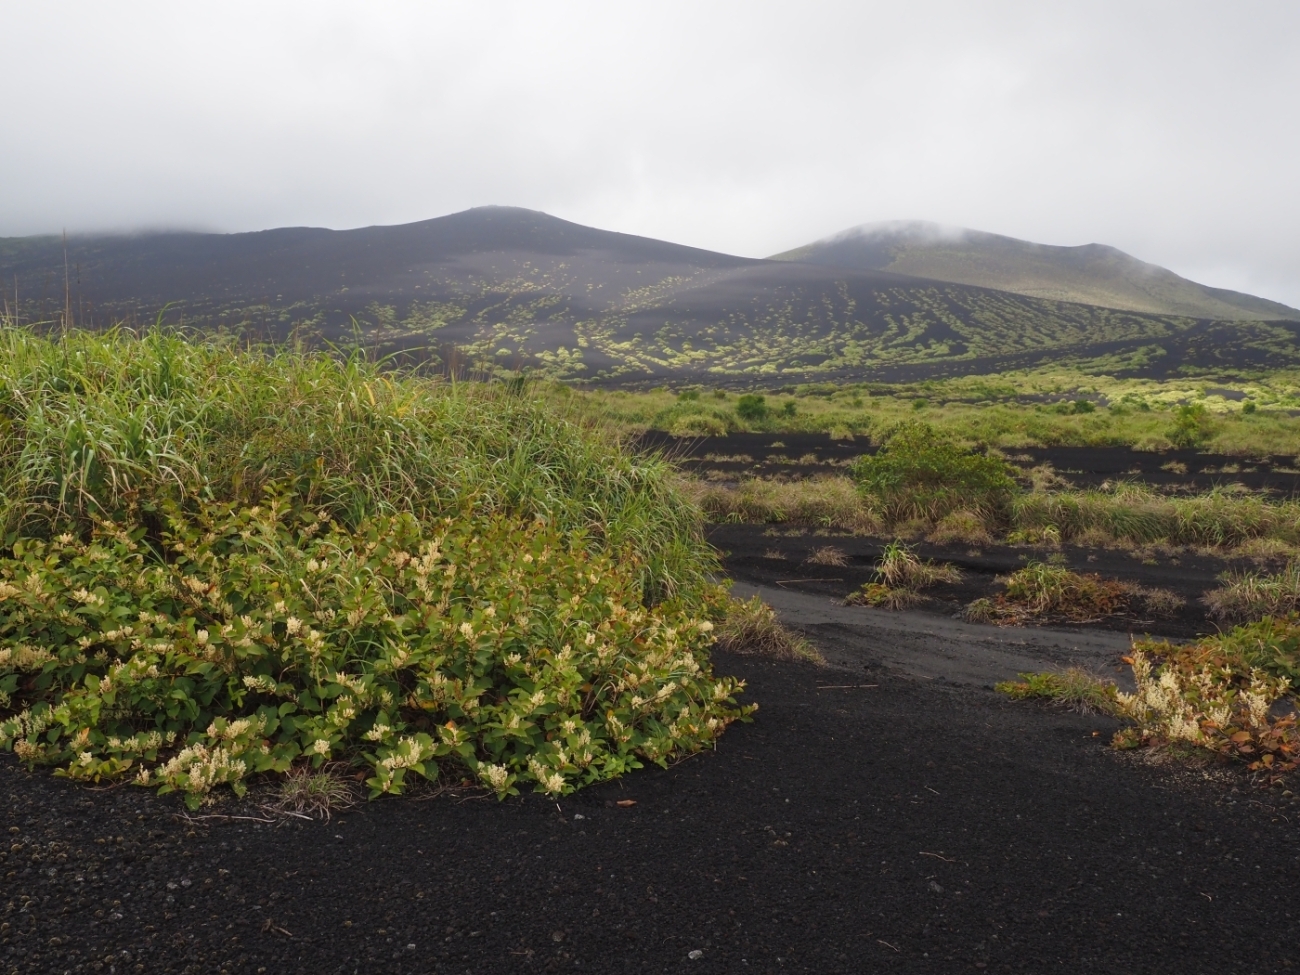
(219, 563)
(918, 473)
(752, 408)
(271, 635)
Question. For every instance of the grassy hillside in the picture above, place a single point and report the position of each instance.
(503, 289)
(1092, 274)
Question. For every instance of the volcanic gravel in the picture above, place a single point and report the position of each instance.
(866, 820)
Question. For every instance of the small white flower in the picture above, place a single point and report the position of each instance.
(320, 746)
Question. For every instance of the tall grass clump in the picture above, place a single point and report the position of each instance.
(826, 502)
(220, 562)
(113, 425)
(1254, 595)
(1137, 514)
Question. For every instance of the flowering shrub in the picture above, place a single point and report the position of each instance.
(1193, 698)
(240, 640)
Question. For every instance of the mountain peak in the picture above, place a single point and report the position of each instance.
(1093, 274)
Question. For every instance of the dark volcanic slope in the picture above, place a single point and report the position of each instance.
(1092, 273)
(510, 287)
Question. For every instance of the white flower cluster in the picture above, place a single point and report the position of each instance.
(551, 781)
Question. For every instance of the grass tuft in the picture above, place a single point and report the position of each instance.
(317, 793)
(1074, 689)
(751, 628)
(1254, 595)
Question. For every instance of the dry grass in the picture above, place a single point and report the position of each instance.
(1254, 595)
(318, 793)
(1159, 602)
(900, 577)
(827, 555)
(751, 628)
(826, 502)
(961, 528)
(900, 568)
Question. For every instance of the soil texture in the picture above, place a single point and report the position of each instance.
(885, 813)
(777, 556)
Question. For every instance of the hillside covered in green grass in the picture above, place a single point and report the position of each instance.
(502, 288)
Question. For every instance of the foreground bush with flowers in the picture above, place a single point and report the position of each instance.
(1232, 694)
(270, 634)
(218, 562)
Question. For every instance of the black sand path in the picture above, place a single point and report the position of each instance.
(869, 820)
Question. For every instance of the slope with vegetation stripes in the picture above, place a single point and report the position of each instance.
(1092, 274)
(509, 287)
(220, 563)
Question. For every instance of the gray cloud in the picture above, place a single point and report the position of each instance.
(1166, 129)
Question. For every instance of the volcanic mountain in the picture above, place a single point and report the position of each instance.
(508, 288)
(1092, 274)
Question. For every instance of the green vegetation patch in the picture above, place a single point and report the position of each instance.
(222, 563)
(919, 473)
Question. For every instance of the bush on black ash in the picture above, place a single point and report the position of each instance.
(219, 562)
(272, 635)
(1074, 688)
(919, 473)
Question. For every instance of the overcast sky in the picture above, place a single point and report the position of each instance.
(1168, 129)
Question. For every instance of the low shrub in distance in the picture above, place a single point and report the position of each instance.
(273, 635)
(920, 474)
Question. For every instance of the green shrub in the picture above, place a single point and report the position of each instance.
(220, 562)
(918, 473)
(1192, 426)
(752, 408)
(272, 635)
